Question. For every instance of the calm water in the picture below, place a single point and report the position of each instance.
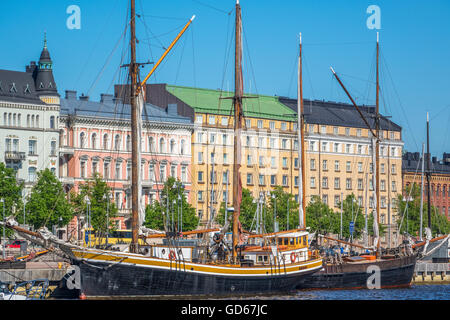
(416, 292)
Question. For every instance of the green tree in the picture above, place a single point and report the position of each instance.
(281, 202)
(247, 214)
(101, 207)
(47, 204)
(156, 213)
(411, 217)
(320, 217)
(11, 193)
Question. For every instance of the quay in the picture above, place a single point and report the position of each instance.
(429, 273)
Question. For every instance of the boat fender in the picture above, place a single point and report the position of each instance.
(172, 255)
(293, 257)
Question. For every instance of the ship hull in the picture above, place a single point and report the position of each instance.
(382, 274)
(104, 278)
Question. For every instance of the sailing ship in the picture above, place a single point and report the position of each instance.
(376, 270)
(267, 263)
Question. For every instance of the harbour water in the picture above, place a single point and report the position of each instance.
(415, 292)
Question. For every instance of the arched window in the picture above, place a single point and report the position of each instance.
(37, 121)
(52, 122)
(172, 146)
(105, 141)
(162, 145)
(82, 140)
(183, 147)
(94, 141)
(151, 144)
(128, 143)
(28, 120)
(5, 119)
(117, 142)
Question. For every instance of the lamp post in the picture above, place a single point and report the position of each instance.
(107, 198)
(4, 235)
(274, 213)
(88, 214)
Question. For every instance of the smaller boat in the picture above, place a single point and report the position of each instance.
(27, 290)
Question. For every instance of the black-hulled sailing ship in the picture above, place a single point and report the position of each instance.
(380, 269)
(173, 269)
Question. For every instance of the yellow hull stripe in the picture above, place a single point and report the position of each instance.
(299, 267)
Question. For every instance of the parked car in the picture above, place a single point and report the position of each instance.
(15, 244)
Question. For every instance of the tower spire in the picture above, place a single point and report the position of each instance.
(45, 39)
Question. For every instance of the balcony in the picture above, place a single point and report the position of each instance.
(65, 150)
(15, 156)
(67, 180)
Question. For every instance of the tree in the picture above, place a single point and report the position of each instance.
(247, 214)
(411, 217)
(101, 207)
(320, 217)
(11, 193)
(47, 204)
(281, 202)
(156, 214)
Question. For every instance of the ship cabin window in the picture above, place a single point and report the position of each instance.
(291, 241)
(262, 258)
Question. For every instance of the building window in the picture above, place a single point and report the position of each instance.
(348, 183)
(325, 199)
(383, 185)
(312, 164)
(82, 140)
(31, 174)
(200, 176)
(94, 167)
(272, 125)
(200, 196)
(261, 180)
(348, 166)
(273, 162)
(162, 145)
(358, 132)
(296, 163)
(273, 180)
(347, 131)
(249, 178)
(347, 148)
(105, 141)
(162, 173)
(151, 144)
(283, 126)
(337, 200)
(118, 170)
(323, 129)
(261, 161)
(173, 171)
(106, 170)
(200, 157)
(212, 120)
(53, 148)
(183, 146)
(83, 169)
(198, 119)
(94, 141)
(260, 124)
(272, 143)
(284, 161)
(325, 165)
(128, 143)
(324, 182)
(360, 167)
(52, 122)
(224, 139)
(248, 123)
(225, 158)
(324, 146)
(337, 183)
(394, 187)
(284, 143)
(224, 121)
(313, 182)
(212, 138)
(285, 180)
(31, 147)
(311, 146)
(335, 131)
(336, 165)
(393, 169)
(249, 160)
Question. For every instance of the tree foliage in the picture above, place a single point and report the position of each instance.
(248, 210)
(158, 217)
(47, 204)
(11, 193)
(411, 217)
(101, 207)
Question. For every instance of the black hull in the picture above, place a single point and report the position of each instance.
(394, 273)
(128, 280)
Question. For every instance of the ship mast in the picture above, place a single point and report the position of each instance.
(428, 173)
(134, 134)
(377, 150)
(301, 143)
(238, 117)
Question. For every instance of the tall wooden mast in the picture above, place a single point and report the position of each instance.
(377, 149)
(238, 117)
(134, 133)
(428, 173)
(301, 143)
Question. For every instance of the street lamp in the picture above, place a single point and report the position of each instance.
(88, 214)
(4, 235)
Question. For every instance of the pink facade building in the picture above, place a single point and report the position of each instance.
(96, 137)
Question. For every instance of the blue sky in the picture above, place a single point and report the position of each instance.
(415, 47)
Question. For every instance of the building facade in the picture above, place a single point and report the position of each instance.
(96, 137)
(439, 181)
(337, 143)
(29, 113)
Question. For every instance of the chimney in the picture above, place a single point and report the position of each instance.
(84, 98)
(172, 109)
(106, 98)
(71, 95)
(31, 67)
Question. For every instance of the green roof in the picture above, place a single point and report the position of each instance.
(208, 101)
